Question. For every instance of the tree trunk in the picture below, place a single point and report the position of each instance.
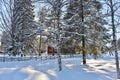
(58, 35)
(83, 36)
(58, 44)
(40, 45)
(114, 40)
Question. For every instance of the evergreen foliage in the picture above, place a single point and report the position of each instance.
(96, 33)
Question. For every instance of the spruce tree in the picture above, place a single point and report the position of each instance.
(86, 18)
(22, 24)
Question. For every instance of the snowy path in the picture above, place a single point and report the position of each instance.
(48, 70)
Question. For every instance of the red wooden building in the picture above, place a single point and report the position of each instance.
(51, 50)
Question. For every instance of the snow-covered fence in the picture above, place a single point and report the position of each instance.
(26, 58)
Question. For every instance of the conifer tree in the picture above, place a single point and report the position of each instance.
(22, 24)
(83, 17)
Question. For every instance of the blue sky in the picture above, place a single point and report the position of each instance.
(107, 9)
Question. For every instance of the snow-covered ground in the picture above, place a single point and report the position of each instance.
(72, 69)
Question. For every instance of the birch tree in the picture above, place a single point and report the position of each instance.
(112, 9)
(56, 6)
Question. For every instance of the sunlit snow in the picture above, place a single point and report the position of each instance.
(72, 69)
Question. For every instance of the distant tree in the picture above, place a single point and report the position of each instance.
(42, 15)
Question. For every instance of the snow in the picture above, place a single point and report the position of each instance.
(72, 69)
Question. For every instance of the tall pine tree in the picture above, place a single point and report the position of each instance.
(84, 16)
(22, 24)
